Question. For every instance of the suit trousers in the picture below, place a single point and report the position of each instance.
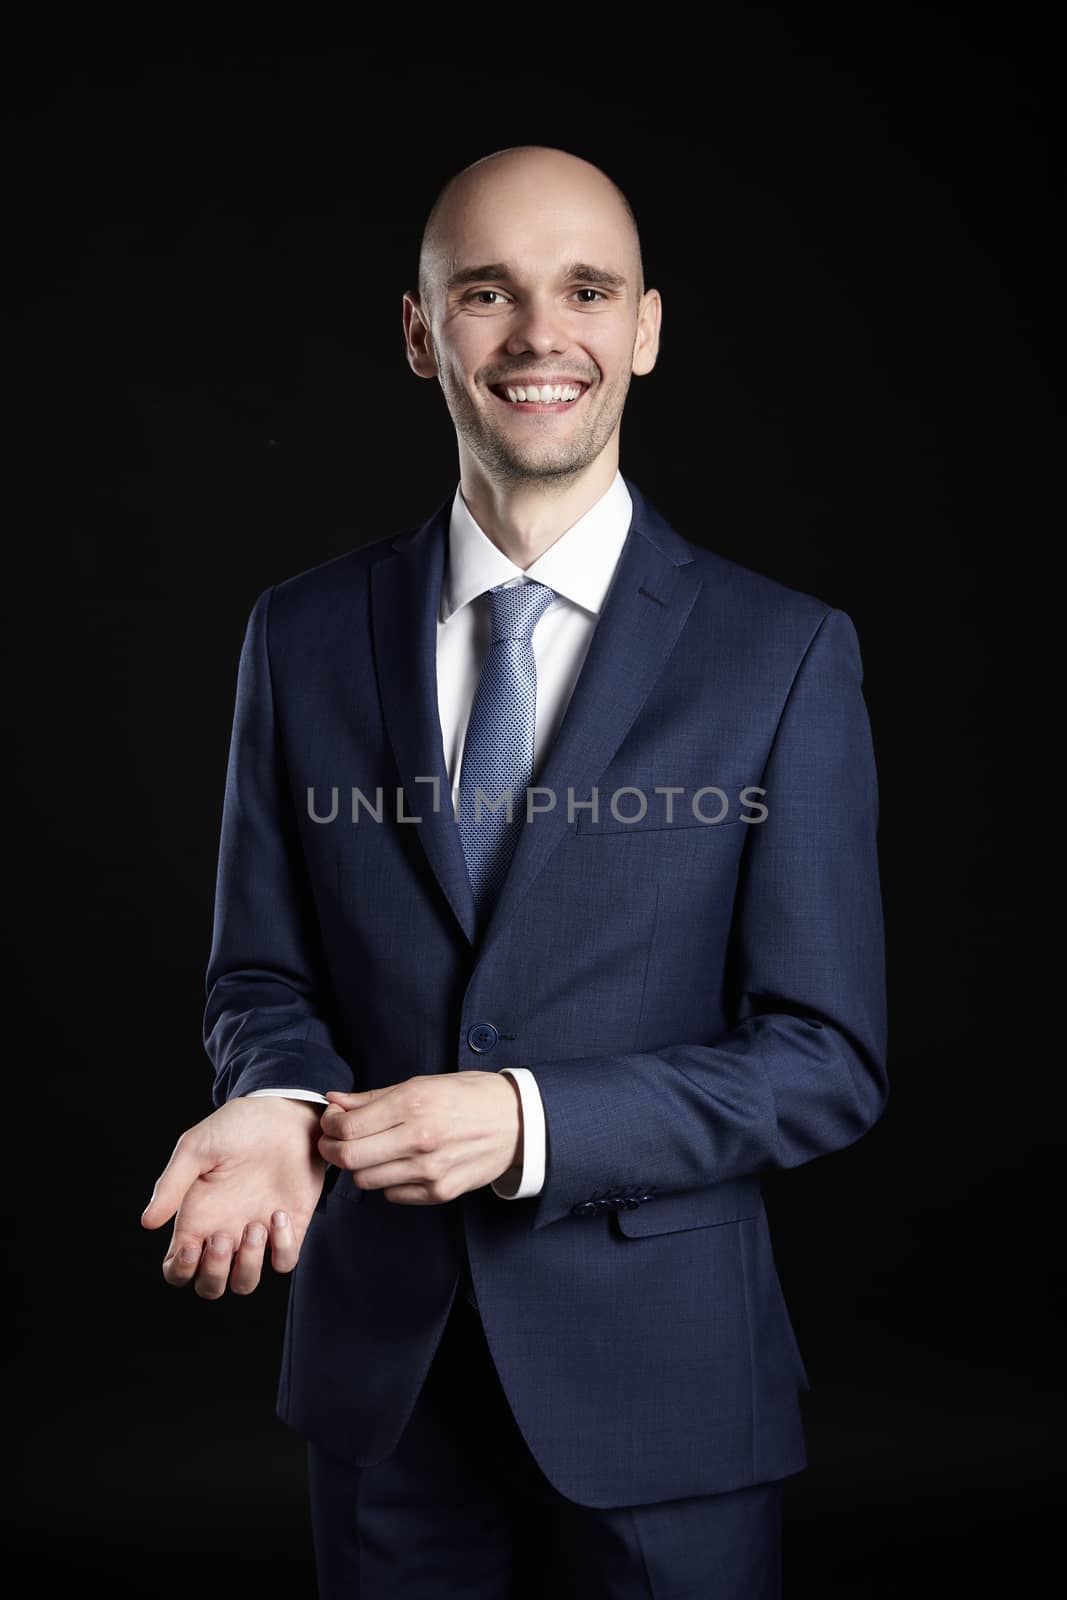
(460, 1510)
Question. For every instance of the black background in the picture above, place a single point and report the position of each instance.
(850, 220)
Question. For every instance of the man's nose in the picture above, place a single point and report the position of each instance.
(538, 326)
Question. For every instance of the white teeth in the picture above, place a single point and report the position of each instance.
(547, 395)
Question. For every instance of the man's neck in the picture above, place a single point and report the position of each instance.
(524, 520)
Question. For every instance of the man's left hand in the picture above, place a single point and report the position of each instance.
(428, 1139)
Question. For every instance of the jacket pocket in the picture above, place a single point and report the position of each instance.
(735, 813)
(652, 822)
(716, 808)
(734, 1201)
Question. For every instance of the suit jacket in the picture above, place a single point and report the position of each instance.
(699, 1002)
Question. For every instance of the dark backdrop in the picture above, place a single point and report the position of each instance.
(849, 222)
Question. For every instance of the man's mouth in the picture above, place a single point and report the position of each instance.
(549, 397)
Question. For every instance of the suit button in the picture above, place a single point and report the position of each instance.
(587, 1208)
(482, 1037)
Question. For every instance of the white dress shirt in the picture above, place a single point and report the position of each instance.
(579, 567)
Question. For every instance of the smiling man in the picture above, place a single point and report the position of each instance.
(561, 1009)
(516, 299)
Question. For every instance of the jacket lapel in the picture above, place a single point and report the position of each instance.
(653, 590)
(405, 596)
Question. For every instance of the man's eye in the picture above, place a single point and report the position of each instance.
(478, 293)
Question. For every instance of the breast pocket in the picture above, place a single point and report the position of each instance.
(612, 825)
(638, 809)
(734, 1201)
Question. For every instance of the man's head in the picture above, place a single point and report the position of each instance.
(531, 267)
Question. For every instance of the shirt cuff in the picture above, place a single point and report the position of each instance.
(519, 1183)
(291, 1094)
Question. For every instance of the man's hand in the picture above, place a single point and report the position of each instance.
(428, 1139)
(247, 1171)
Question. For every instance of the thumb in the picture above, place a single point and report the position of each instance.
(340, 1100)
(170, 1188)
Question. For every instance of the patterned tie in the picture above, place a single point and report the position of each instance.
(498, 753)
(498, 750)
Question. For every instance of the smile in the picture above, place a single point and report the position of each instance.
(499, 392)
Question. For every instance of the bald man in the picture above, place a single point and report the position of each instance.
(547, 919)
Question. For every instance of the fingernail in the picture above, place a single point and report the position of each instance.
(256, 1233)
(220, 1241)
(190, 1252)
(281, 1220)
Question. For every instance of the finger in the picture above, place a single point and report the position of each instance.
(181, 1170)
(182, 1260)
(332, 1150)
(341, 1101)
(398, 1172)
(215, 1266)
(359, 1151)
(409, 1194)
(284, 1249)
(332, 1119)
(383, 1132)
(249, 1263)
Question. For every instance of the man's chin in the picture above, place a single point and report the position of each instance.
(532, 463)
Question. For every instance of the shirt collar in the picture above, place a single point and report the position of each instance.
(579, 566)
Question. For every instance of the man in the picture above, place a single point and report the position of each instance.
(538, 1300)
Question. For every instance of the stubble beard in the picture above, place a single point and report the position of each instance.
(543, 461)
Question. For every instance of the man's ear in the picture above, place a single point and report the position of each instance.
(646, 341)
(418, 337)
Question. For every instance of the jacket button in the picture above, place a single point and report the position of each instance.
(587, 1208)
(482, 1037)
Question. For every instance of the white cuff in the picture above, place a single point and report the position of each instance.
(291, 1094)
(531, 1176)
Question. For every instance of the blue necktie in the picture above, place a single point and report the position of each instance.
(498, 749)
(498, 752)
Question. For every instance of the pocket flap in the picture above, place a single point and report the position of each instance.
(654, 821)
(692, 1208)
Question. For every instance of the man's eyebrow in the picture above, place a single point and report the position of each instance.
(501, 271)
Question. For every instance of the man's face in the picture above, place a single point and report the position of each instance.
(539, 285)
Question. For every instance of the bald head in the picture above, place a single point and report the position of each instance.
(541, 187)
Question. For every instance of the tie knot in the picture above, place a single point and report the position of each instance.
(517, 608)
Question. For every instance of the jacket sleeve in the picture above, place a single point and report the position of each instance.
(267, 1017)
(801, 1071)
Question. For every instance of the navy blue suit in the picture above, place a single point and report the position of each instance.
(699, 1002)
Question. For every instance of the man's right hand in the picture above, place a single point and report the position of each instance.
(248, 1172)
